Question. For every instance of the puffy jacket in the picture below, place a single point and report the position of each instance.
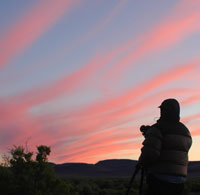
(165, 149)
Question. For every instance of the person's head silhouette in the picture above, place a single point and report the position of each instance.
(170, 110)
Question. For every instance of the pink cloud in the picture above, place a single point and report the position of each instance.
(31, 27)
(18, 107)
(161, 80)
(191, 118)
(39, 134)
(22, 103)
(100, 138)
(97, 151)
(88, 121)
(192, 100)
(101, 135)
(177, 27)
(19, 104)
(100, 26)
(112, 55)
(106, 114)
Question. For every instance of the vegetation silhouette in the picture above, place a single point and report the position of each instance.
(22, 174)
(26, 176)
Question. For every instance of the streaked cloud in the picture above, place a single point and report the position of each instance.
(176, 28)
(109, 124)
(31, 27)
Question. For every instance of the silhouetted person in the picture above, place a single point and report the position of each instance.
(165, 152)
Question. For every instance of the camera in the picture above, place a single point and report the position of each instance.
(144, 129)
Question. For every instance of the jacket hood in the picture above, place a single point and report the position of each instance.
(170, 110)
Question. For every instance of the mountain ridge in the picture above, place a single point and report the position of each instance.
(109, 168)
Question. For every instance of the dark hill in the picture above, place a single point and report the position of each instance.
(78, 170)
(106, 168)
(118, 167)
(109, 168)
(194, 169)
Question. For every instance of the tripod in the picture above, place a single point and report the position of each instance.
(133, 177)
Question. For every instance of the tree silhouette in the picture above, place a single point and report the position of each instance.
(31, 177)
(43, 152)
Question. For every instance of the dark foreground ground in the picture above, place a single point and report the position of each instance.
(118, 186)
(111, 177)
(108, 177)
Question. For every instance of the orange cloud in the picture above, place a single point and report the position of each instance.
(32, 26)
(97, 151)
(97, 138)
(195, 132)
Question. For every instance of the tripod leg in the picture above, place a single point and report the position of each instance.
(132, 179)
(141, 181)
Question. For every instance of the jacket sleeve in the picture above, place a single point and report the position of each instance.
(151, 149)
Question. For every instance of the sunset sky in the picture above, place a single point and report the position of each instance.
(82, 76)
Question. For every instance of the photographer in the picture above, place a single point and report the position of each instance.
(165, 151)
